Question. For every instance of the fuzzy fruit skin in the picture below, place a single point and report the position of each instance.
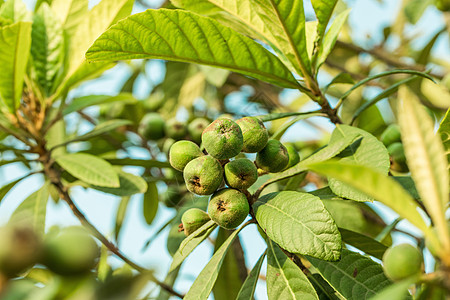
(255, 134)
(193, 219)
(203, 175)
(72, 252)
(273, 158)
(182, 152)
(240, 173)
(402, 261)
(152, 126)
(294, 157)
(228, 208)
(196, 127)
(20, 250)
(175, 129)
(398, 158)
(391, 135)
(223, 139)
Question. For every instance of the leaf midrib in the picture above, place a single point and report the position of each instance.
(281, 269)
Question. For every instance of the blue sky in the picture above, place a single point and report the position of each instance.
(366, 18)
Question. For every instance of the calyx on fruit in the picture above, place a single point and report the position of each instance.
(255, 134)
(196, 127)
(193, 219)
(71, 252)
(240, 173)
(152, 126)
(182, 152)
(175, 129)
(273, 157)
(228, 208)
(203, 175)
(294, 157)
(402, 261)
(223, 139)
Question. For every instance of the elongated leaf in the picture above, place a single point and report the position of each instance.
(129, 185)
(190, 243)
(363, 243)
(206, 42)
(248, 288)
(120, 216)
(284, 279)
(89, 168)
(233, 271)
(47, 47)
(381, 188)
(299, 223)
(324, 154)
(87, 101)
(7, 187)
(368, 151)
(32, 210)
(444, 131)
(280, 131)
(100, 129)
(426, 160)
(354, 276)
(150, 203)
(276, 116)
(138, 162)
(398, 290)
(324, 11)
(70, 13)
(203, 284)
(15, 10)
(15, 43)
(331, 37)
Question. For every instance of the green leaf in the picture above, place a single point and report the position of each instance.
(120, 216)
(368, 151)
(354, 276)
(284, 279)
(282, 129)
(150, 203)
(398, 290)
(299, 223)
(363, 243)
(444, 131)
(190, 243)
(15, 10)
(408, 184)
(426, 160)
(47, 47)
(248, 288)
(7, 187)
(331, 37)
(102, 128)
(32, 210)
(86, 101)
(89, 168)
(203, 284)
(326, 153)
(138, 162)
(15, 42)
(129, 185)
(233, 271)
(70, 13)
(276, 116)
(55, 136)
(381, 188)
(414, 9)
(324, 11)
(163, 37)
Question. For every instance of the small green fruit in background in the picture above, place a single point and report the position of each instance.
(151, 127)
(167, 144)
(154, 101)
(193, 219)
(294, 157)
(391, 135)
(72, 252)
(20, 249)
(175, 129)
(228, 208)
(172, 196)
(240, 173)
(273, 157)
(182, 152)
(223, 139)
(203, 175)
(398, 158)
(402, 261)
(196, 127)
(255, 134)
